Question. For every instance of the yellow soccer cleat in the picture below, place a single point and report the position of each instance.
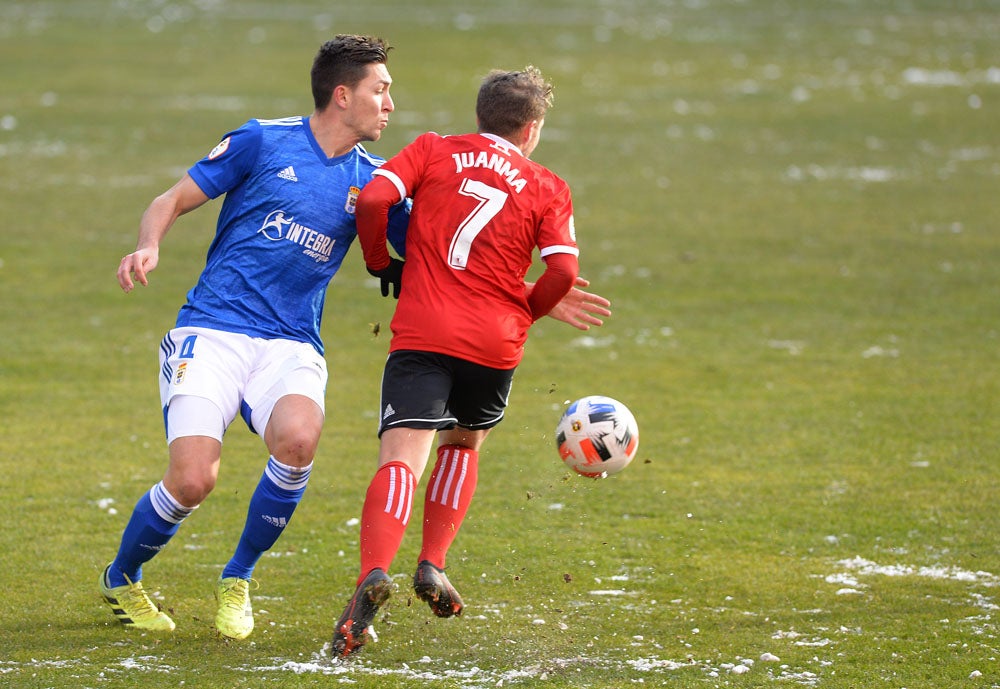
(132, 606)
(235, 616)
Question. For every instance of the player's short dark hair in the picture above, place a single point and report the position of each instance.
(344, 60)
(508, 101)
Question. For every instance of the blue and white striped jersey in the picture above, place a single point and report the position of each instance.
(285, 225)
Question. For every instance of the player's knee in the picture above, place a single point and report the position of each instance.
(189, 488)
(294, 437)
(296, 448)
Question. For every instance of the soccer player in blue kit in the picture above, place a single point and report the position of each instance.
(247, 340)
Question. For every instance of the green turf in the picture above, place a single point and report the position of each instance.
(792, 205)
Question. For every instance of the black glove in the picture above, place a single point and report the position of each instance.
(392, 274)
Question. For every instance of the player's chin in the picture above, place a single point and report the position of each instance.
(375, 133)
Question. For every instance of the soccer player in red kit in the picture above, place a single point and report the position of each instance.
(480, 209)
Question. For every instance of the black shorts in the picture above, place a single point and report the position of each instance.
(430, 390)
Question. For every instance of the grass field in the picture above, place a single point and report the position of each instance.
(792, 205)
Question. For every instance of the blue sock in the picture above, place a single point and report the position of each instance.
(154, 521)
(277, 495)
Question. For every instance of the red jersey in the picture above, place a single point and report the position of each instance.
(480, 208)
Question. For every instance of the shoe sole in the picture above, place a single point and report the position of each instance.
(440, 601)
(442, 598)
(347, 641)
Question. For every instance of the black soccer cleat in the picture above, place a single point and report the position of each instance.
(431, 584)
(351, 632)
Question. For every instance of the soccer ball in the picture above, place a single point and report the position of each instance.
(597, 436)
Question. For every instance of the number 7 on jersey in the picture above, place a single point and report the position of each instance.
(490, 201)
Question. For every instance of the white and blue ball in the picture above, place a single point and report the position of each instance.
(597, 436)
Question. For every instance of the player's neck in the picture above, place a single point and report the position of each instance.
(332, 137)
(519, 145)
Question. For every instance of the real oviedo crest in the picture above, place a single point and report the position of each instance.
(352, 199)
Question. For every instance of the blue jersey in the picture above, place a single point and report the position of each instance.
(285, 225)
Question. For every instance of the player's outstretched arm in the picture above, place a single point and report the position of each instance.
(578, 308)
(156, 221)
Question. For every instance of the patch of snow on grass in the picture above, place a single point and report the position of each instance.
(867, 567)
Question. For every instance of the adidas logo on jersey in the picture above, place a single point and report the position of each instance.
(289, 174)
(389, 411)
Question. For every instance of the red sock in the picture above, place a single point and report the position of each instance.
(449, 492)
(388, 504)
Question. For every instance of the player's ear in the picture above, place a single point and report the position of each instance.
(529, 137)
(341, 96)
(526, 132)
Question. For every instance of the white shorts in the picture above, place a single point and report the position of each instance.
(238, 374)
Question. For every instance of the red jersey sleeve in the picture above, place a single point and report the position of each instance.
(372, 218)
(560, 273)
(556, 233)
